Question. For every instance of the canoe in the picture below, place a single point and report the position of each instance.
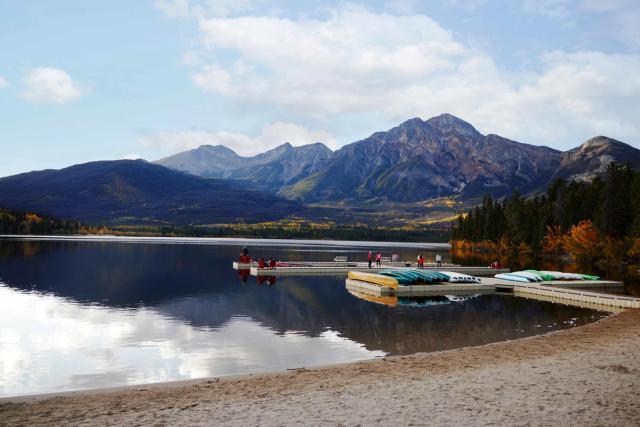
(559, 275)
(460, 278)
(511, 277)
(532, 277)
(544, 276)
(376, 279)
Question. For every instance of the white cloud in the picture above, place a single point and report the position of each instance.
(50, 85)
(396, 67)
(346, 63)
(271, 136)
(3, 82)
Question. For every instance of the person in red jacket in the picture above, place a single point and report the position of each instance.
(378, 259)
(261, 263)
(369, 258)
(272, 263)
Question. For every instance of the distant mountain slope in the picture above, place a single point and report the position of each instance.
(206, 161)
(592, 158)
(280, 166)
(135, 191)
(420, 159)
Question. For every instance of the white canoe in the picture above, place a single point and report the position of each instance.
(460, 277)
(526, 274)
(511, 277)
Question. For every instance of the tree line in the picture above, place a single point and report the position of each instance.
(19, 222)
(610, 203)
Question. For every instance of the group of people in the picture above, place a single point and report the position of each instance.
(246, 259)
(420, 259)
(378, 258)
(270, 263)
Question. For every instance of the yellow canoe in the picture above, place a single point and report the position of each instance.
(377, 279)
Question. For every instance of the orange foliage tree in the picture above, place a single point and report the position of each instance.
(583, 243)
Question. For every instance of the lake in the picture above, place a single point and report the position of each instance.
(101, 312)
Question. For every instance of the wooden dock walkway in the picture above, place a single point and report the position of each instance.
(344, 270)
(566, 284)
(578, 295)
(354, 264)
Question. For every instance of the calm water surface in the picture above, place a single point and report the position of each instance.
(86, 314)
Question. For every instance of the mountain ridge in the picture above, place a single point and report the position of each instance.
(423, 159)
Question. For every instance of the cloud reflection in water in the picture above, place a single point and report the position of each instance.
(49, 343)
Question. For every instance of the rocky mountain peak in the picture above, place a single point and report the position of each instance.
(450, 124)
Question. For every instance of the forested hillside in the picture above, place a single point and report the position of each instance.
(591, 222)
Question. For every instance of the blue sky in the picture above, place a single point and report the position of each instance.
(82, 81)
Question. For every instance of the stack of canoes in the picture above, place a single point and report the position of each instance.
(542, 276)
(406, 277)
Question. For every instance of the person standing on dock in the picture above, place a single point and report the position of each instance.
(378, 259)
(420, 261)
(369, 256)
(439, 260)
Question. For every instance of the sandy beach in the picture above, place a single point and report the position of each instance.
(583, 376)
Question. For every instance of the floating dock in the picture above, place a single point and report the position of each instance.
(352, 264)
(575, 293)
(566, 284)
(578, 295)
(418, 290)
(333, 270)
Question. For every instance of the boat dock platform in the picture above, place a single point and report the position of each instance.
(337, 270)
(351, 264)
(575, 293)
(374, 290)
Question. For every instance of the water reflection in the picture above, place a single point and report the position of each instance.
(57, 344)
(89, 314)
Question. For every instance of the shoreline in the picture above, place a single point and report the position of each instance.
(222, 240)
(574, 375)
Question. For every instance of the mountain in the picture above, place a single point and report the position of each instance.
(207, 161)
(415, 161)
(135, 191)
(275, 168)
(419, 160)
(592, 158)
